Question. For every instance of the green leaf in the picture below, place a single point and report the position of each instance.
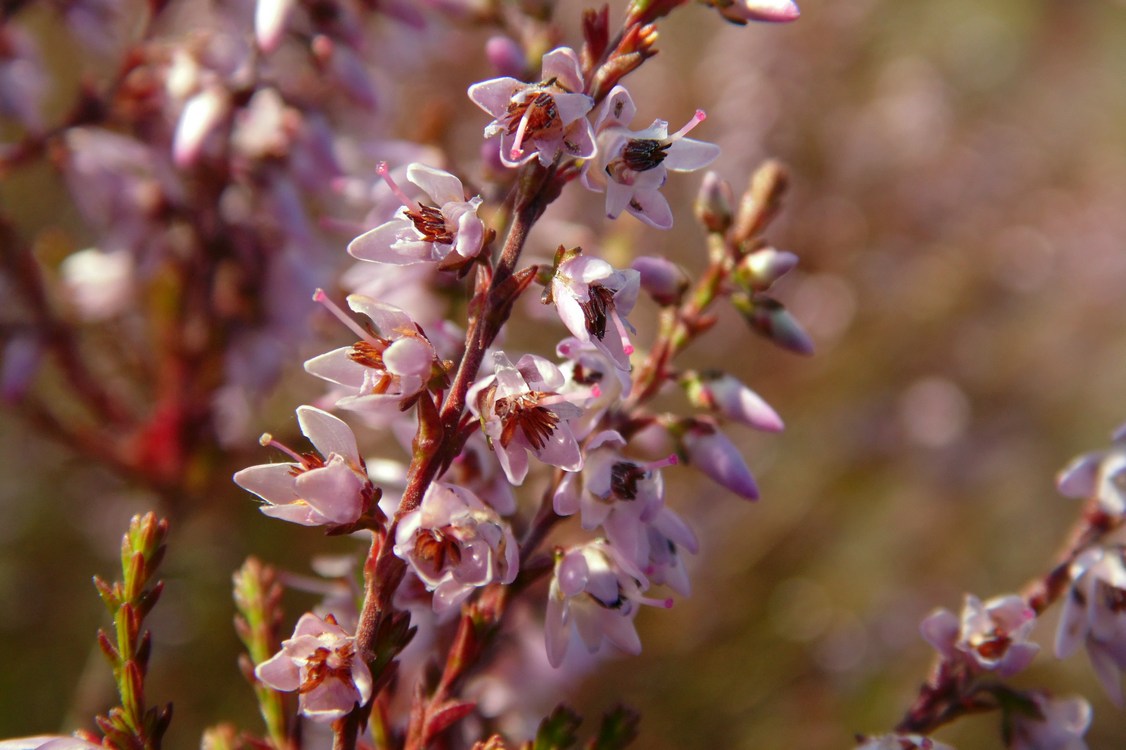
(617, 730)
(557, 731)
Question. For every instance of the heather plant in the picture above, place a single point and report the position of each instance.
(491, 448)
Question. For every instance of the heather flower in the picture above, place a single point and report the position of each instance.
(992, 636)
(1094, 614)
(593, 300)
(770, 11)
(455, 543)
(1100, 474)
(598, 589)
(1060, 726)
(662, 279)
(314, 490)
(729, 397)
(709, 450)
(550, 115)
(665, 536)
(522, 412)
(476, 471)
(619, 494)
(320, 663)
(386, 368)
(48, 742)
(632, 166)
(202, 114)
(448, 231)
(900, 742)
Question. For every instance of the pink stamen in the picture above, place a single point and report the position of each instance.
(267, 441)
(697, 118)
(384, 171)
(651, 602)
(627, 347)
(669, 460)
(521, 131)
(595, 391)
(343, 317)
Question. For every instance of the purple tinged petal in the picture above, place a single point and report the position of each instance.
(572, 574)
(687, 154)
(652, 208)
(562, 64)
(572, 107)
(470, 235)
(329, 701)
(329, 434)
(1108, 671)
(409, 356)
(441, 186)
(298, 512)
(494, 95)
(673, 528)
(1079, 478)
(710, 451)
(361, 677)
(202, 114)
(506, 55)
(271, 482)
(270, 17)
(334, 491)
(338, 367)
(378, 244)
(617, 111)
(390, 321)
(578, 140)
(556, 630)
(565, 501)
(1073, 626)
(621, 632)
(940, 629)
(279, 672)
(617, 198)
(769, 11)
(739, 403)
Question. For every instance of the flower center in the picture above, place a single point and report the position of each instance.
(624, 477)
(994, 644)
(324, 664)
(600, 301)
(641, 154)
(434, 551)
(523, 412)
(431, 224)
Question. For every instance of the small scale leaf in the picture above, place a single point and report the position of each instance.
(617, 730)
(557, 731)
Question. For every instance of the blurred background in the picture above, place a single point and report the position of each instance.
(958, 201)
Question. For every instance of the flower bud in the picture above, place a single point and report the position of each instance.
(661, 278)
(726, 395)
(270, 18)
(713, 203)
(767, 317)
(713, 453)
(760, 269)
(506, 56)
(769, 11)
(202, 114)
(761, 201)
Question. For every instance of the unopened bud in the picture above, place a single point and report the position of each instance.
(713, 453)
(713, 203)
(769, 318)
(506, 56)
(662, 279)
(760, 269)
(729, 397)
(769, 11)
(761, 201)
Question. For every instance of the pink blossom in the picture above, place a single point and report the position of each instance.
(270, 19)
(991, 636)
(632, 166)
(523, 412)
(477, 472)
(455, 543)
(550, 115)
(730, 398)
(593, 300)
(313, 490)
(597, 589)
(1094, 614)
(387, 366)
(620, 495)
(593, 379)
(712, 452)
(49, 742)
(449, 230)
(1100, 474)
(319, 662)
(770, 11)
(1060, 726)
(665, 536)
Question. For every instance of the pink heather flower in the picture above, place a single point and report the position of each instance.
(662, 279)
(1094, 614)
(632, 166)
(665, 536)
(620, 495)
(313, 490)
(455, 543)
(203, 113)
(598, 589)
(727, 396)
(387, 366)
(550, 115)
(900, 742)
(713, 453)
(1100, 474)
(992, 636)
(593, 300)
(49, 742)
(523, 412)
(770, 11)
(1061, 725)
(319, 663)
(448, 230)
(475, 470)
